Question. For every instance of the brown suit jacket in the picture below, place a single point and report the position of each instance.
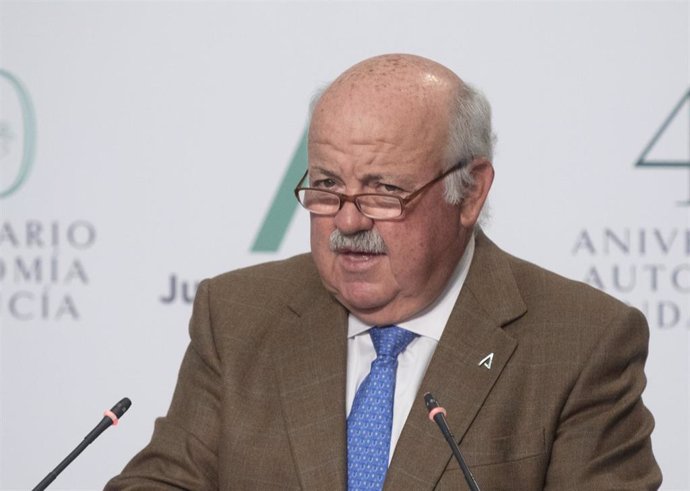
(260, 400)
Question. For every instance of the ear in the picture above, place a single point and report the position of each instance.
(483, 174)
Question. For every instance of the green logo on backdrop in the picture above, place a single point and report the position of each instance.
(283, 206)
(16, 130)
(674, 118)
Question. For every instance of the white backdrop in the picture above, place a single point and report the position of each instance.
(143, 143)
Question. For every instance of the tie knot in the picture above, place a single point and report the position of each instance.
(390, 340)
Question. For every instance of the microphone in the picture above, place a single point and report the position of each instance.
(438, 414)
(110, 418)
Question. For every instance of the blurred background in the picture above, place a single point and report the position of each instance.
(145, 146)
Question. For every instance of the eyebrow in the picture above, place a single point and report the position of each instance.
(367, 178)
(321, 170)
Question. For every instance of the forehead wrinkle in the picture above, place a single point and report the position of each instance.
(387, 163)
(379, 123)
(362, 150)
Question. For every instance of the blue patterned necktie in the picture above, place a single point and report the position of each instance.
(371, 417)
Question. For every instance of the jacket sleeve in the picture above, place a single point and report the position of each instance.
(182, 453)
(603, 438)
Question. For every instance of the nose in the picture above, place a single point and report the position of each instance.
(349, 220)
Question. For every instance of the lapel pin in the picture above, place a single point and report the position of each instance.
(486, 361)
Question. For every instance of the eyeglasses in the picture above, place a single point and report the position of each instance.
(372, 205)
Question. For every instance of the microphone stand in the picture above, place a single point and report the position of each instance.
(438, 415)
(111, 418)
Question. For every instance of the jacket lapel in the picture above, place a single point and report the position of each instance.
(489, 300)
(311, 347)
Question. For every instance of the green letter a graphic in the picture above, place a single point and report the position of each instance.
(283, 205)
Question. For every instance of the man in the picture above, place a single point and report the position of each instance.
(309, 373)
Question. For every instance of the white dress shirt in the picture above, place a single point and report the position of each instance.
(413, 362)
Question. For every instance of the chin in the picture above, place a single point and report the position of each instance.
(364, 301)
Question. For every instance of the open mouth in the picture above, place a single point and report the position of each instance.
(355, 253)
(361, 258)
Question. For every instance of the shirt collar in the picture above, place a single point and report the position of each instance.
(431, 321)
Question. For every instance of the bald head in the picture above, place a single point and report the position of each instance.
(400, 92)
(401, 74)
(387, 93)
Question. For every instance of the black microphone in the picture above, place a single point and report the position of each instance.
(110, 418)
(438, 414)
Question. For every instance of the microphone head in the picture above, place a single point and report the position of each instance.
(121, 407)
(433, 407)
(430, 401)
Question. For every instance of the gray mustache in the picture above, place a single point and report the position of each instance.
(367, 241)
